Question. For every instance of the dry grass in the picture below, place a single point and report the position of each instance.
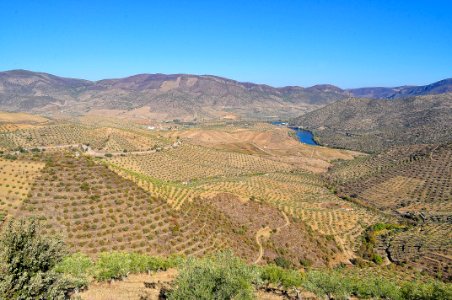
(132, 287)
(18, 118)
(271, 142)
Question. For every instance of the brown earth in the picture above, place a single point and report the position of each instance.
(271, 142)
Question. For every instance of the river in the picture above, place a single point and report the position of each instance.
(304, 136)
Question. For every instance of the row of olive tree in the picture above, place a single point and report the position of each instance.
(37, 267)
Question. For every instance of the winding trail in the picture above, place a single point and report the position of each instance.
(266, 232)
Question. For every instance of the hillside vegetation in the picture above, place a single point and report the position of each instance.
(125, 197)
(415, 183)
(167, 192)
(374, 125)
(35, 267)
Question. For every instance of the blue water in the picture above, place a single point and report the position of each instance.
(305, 137)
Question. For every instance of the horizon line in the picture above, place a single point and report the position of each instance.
(227, 78)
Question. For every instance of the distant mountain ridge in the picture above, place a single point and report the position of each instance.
(176, 96)
(440, 87)
(157, 96)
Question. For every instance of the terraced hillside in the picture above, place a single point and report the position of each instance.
(96, 210)
(189, 162)
(374, 125)
(16, 178)
(199, 188)
(262, 139)
(427, 247)
(61, 133)
(415, 183)
(192, 172)
(411, 179)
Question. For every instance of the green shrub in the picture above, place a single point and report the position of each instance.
(222, 276)
(112, 265)
(142, 263)
(77, 267)
(328, 283)
(305, 262)
(27, 261)
(282, 262)
(10, 157)
(338, 285)
(375, 288)
(84, 186)
(377, 259)
(426, 291)
(281, 277)
(117, 265)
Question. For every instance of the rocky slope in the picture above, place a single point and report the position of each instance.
(158, 96)
(177, 96)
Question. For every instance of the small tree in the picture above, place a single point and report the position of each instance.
(26, 263)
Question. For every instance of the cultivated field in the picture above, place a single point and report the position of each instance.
(16, 179)
(415, 179)
(414, 182)
(110, 185)
(213, 160)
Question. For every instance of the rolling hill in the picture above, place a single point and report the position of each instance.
(177, 96)
(157, 96)
(373, 125)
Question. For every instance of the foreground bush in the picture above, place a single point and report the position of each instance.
(117, 265)
(331, 284)
(27, 261)
(374, 287)
(336, 285)
(281, 277)
(77, 268)
(426, 291)
(222, 276)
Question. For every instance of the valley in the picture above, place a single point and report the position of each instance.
(271, 193)
(226, 150)
(144, 190)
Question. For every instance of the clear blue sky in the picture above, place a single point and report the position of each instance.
(346, 43)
